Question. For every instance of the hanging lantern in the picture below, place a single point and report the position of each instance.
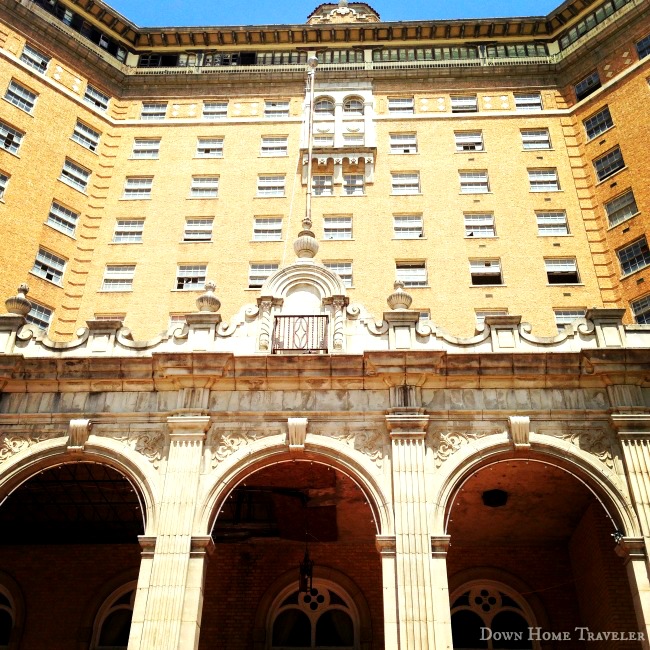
(306, 572)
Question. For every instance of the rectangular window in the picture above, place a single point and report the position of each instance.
(403, 105)
(190, 277)
(34, 59)
(464, 104)
(274, 145)
(273, 109)
(535, 139)
(528, 101)
(19, 96)
(353, 185)
(343, 269)
(209, 148)
(412, 274)
(543, 180)
(641, 310)
(62, 219)
(643, 48)
(598, 123)
(485, 272)
(75, 176)
(353, 139)
(10, 138)
(403, 143)
(552, 223)
(609, 164)
(408, 226)
(146, 148)
(198, 230)
(270, 185)
(621, 208)
(49, 266)
(85, 136)
(137, 187)
(337, 228)
(204, 187)
(153, 111)
(405, 183)
(322, 185)
(565, 317)
(4, 181)
(634, 256)
(469, 140)
(588, 85)
(479, 225)
(39, 315)
(562, 271)
(326, 140)
(258, 273)
(267, 229)
(96, 98)
(215, 110)
(118, 277)
(128, 231)
(475, 182)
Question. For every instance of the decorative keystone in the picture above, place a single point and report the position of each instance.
(297, 432)
(306, 245)
(399, 299)
(19, 304)
(520, 431)
(208, 302)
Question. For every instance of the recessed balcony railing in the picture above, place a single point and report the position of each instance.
(301, 334)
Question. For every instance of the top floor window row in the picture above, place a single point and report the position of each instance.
(218, 59)
(34, 59)
(590, 21)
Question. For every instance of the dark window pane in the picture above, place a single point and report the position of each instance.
(334, 629)
(292, 629)
(466, 630)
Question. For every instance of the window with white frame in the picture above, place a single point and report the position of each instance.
(324, 140)
(96, 98)
(322, 185)
(10, 138)
(190, 277)
(565, 317)
(353, 139)
(403, 143)
(353, 106)
(85, 136)
(643, 47)
(4, 181)
(408, 226)
(468, 140)
(405, 182)
(641, 310)
(485, 272)
(543, 180)
(412, 274)
(479, 225)
(598, 123)
(535, 139)
(270, 185)
(552, 223)
(21, 97)
(353, 185)
(562, 271)
(343, 270)
(197, 230)
(587, 86)
(621, 208)
(138, 187)
(118, 277)
(274, 145)
(39, 315)
(146, 148)
(204, 187)
(209, 148)
(267, 229)
(528, 101)
(128, 231)
(464, 104)
(324, 107)
(401, 105)
(474, 182)
(275, 109)
(609, 164)
(62, 219)
(153, 111)
(258, 273)
(214, 110)
(49, 266)
(75, 176)
(338, 227)
(482, 314)
(34, 59)
(634, 256)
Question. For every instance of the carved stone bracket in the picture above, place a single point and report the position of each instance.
(520, 431)
(78, 433)
(297, 433)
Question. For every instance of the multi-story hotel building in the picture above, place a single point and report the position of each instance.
(423, 386)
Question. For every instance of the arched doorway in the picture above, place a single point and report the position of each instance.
(263, 528)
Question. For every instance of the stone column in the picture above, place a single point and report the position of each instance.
(170, 617)
(386, 548)
(442, 622)
(633, 550)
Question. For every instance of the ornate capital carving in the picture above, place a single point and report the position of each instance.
(520, 431)
(78, 433)
(297, 433)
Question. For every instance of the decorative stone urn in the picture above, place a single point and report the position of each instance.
(208, 302)
(306, 245)
(399, 299)
(19, 304)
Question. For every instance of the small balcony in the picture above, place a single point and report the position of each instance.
(300, 334)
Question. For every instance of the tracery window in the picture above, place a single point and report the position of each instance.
(113, 622)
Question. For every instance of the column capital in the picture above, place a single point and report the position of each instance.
(440, 545)
(631, 425)
(147, 544)
(631, 548)
(407, 423)
(202, 545)
(188, 427)
(386, 545)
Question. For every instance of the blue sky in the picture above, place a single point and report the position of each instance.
(161, 13)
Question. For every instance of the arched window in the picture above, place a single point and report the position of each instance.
(324, 107)
(7, 616)
(324, 617)
(490, 616)
(113, 622)
(353, 106)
